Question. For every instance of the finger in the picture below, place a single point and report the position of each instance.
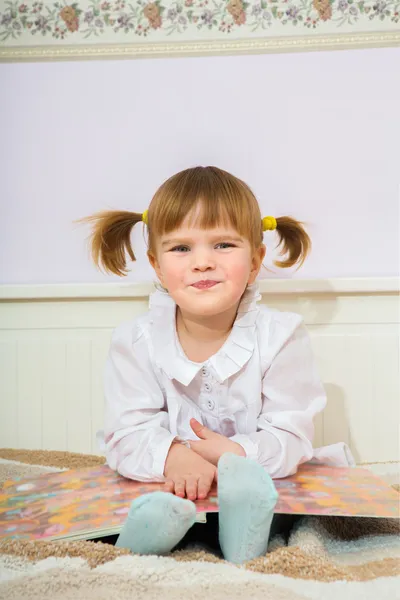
(201, 448)
(169, 486)
(199, 429)
(191, 488)
(180, 488)
(203, 487)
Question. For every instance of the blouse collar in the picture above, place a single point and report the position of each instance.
(230, 358)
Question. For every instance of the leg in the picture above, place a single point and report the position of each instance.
(156, 523)
(247, 498)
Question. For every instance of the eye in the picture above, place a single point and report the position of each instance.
(180, 249)
(224, 245)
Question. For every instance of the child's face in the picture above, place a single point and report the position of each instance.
(206, 271)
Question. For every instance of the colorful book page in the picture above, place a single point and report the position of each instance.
(92, 502)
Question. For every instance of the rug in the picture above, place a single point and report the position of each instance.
(328, 558)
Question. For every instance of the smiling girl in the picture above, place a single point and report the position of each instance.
(208, 385)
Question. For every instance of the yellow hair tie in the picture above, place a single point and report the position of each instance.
(145, 217)
(269, 223)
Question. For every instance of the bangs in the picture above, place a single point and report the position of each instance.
(207, 197)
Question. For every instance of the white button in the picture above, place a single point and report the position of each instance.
(210, 404)
(204, 372)
(207, 387)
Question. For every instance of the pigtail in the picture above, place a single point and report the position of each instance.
(110, 239)
(294, 242)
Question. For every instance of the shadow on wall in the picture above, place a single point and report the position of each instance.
(335, 421)
(318, 308)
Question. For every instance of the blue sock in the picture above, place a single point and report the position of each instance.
(156, 523)
(246, 498)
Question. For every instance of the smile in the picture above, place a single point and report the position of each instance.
(205, 284)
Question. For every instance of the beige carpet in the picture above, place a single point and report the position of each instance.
(326, 558)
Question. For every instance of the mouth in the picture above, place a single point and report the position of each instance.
(205, 284)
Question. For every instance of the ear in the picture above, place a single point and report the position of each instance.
(156, 266)
(256, 263)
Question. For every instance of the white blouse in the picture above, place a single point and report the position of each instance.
(261, 390)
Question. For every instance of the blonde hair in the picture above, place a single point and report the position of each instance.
(223, 199)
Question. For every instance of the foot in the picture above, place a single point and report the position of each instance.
(246, 498)
(156, 523)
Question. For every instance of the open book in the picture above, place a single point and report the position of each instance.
(94, 502)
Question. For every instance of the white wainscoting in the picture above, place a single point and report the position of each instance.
(54, 340)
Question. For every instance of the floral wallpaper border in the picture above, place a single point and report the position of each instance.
(56, 29)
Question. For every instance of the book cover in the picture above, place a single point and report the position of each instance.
(94, 502)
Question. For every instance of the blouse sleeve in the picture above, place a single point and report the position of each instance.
(292, 395)
(136, 435)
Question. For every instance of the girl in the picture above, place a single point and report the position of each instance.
(208, 385)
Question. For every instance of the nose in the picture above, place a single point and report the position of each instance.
(202, 260)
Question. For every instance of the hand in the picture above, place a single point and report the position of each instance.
(187, 473)
(212, 445)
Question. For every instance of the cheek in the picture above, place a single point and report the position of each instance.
(172, 269)
(239, 268)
